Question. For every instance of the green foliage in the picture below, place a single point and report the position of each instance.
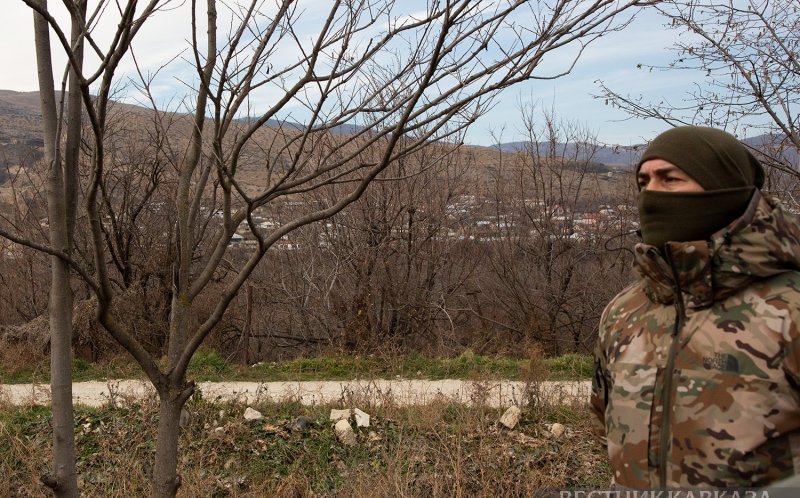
(464, 366)
(26, 419)
(208, 365)
(38, 371)
(317, 368)
(32, 373)
(571, 366)
(80, 369)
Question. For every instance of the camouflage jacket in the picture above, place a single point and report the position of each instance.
(697, 380)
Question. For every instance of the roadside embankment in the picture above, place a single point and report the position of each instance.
(402, 392)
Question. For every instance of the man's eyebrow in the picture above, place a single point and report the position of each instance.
(661, 170)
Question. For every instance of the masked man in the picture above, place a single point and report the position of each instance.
(697, 380)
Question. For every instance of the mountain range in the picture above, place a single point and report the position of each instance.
(20, 136)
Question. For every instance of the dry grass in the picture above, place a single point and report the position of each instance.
(443, 448)
(22, 361)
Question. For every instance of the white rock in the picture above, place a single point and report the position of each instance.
(557, 430)
(510, 418)
(344, 433)
(337, 415)
(362, 419)
(218, 431)
(251, 414)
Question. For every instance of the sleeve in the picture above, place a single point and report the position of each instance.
(599, 399)
(600, 387)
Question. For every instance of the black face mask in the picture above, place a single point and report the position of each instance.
(686, 216)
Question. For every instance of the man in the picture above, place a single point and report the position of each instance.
(697, 380)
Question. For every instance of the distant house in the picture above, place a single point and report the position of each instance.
(589, 219)
(284, 244)
(268, 225)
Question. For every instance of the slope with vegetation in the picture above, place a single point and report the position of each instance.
(443, 447)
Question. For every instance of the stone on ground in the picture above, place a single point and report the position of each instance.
(344, 433)
(337, 415)
(251, 414)
(511, 417)
(557, 429)
(362, 419)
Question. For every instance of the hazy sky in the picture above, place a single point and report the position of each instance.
(612, 59)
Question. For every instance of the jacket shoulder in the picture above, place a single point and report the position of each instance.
(632, 297)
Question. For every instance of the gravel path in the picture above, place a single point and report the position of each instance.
(399, 391)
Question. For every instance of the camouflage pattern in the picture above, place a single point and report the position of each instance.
(697, 381)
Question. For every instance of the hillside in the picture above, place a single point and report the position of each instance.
(20, 136)
(21, 145)
(20, 118)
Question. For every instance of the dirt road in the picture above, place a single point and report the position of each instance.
(398, 391)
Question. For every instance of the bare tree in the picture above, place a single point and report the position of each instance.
(376, 277)
(395, 255)
(22, 277)
(61, 201)
(550, 269)
(376, 84)
(746, 53)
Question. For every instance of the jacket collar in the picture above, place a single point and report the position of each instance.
(763, 242)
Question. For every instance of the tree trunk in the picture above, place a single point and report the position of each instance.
(64, 481)
(64, 469)
(248, 319)
(173, 392)
(165, 470)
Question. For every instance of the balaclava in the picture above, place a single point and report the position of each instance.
(716, 160)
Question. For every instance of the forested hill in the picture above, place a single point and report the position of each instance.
(20, 137)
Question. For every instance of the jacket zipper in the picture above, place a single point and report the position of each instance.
(665, 432)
